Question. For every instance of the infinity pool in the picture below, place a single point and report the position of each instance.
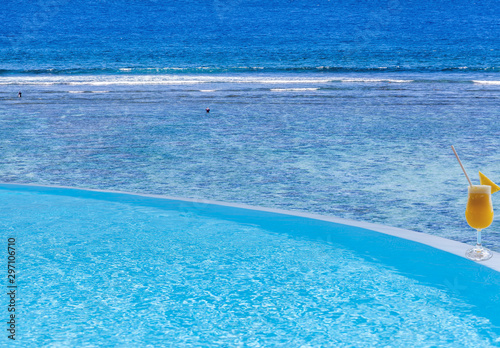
(99, 269)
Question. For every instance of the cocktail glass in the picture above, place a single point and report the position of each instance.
(479, 215)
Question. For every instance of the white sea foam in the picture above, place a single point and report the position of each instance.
(207, 90)
(77, 92)
(124, 80)
(170, 79)
(281, 80)
(293, 89)
(486, 82)
(375, 80)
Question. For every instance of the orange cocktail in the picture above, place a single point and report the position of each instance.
(479, 210)
(479, 215)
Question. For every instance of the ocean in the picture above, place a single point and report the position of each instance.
(342, 108)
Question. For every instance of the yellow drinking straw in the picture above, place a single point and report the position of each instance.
(460, 162)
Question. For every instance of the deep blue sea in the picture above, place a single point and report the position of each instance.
(343, 108)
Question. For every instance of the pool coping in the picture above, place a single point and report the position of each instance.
(444, 244)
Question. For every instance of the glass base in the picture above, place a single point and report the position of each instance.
(478, 254)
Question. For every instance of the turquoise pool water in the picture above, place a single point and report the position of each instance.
(98, 269)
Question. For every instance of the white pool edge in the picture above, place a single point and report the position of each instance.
(444, 244)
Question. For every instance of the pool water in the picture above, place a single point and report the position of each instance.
(98, 269)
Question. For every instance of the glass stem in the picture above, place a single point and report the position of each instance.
(478, 245)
